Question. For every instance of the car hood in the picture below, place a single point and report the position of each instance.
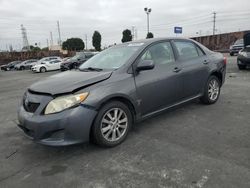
(68, 82)
(34, 63)
(237, 45)
(69, 61)
(40, 64)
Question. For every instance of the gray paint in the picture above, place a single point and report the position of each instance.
(149, 92)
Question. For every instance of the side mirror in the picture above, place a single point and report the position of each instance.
(145, 65)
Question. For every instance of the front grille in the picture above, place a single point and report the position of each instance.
(30, 106)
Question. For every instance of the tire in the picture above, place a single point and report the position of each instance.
(43, 69)
(105, 132)
(231, 54)
(212, 92)
(242, 67)
(22, 68)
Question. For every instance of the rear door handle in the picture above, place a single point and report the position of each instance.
(205, 61)
(177, 69)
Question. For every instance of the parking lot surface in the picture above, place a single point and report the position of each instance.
(190, 146)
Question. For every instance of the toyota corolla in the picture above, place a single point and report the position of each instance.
(117, 88)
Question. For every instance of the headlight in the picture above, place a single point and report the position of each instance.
(61, 103)
(243, 53)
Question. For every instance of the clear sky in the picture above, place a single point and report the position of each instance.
(110, 17)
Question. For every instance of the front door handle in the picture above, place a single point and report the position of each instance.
(177, 69)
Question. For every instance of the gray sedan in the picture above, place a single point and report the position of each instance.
(119, 87)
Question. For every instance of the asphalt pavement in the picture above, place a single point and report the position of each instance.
(191, 146)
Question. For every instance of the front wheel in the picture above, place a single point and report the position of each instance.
(112, 124)
(212, 91)
(42, 69)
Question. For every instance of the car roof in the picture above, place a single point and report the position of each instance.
(146, 42)
(152, 40)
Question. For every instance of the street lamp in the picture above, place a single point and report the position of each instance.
(147, 11)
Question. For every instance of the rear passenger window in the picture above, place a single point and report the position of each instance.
(186, 50)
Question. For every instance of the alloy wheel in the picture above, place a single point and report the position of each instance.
(213, 90)
(114, 124)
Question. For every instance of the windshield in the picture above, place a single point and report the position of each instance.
(112, 58)
(41, 60)
(76, 57)
(238, 42)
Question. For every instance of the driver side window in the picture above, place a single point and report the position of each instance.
(161, 54)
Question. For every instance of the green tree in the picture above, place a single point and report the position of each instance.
(45, 49)
(150, 35)
(75, 44)
(34, 48)
(126, 35)
(96, 40)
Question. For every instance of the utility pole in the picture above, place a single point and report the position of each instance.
(147, 11)
(59, 34)
(214, 21)
(47, 43)
(51, 39)
(25, 38)
(133, 33)
(86, 40)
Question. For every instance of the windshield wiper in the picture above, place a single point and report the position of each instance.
(91, 69)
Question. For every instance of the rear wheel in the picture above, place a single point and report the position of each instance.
(112, 124)
(42, 69)
(212, 91)
(231, 54)
(22, 68)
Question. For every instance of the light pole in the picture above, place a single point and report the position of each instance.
(147, 11)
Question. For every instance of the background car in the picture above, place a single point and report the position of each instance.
(25, 64)
(45, 59)
(65, 59)
(47, 66)
(236, 47)
(10, 66)
(76, 61)
(243, 59)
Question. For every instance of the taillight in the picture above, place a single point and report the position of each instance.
(225, 60)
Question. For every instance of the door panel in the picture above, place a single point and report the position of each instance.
(194, 64)
(195, 75)
(161, 86)
(57, 66)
